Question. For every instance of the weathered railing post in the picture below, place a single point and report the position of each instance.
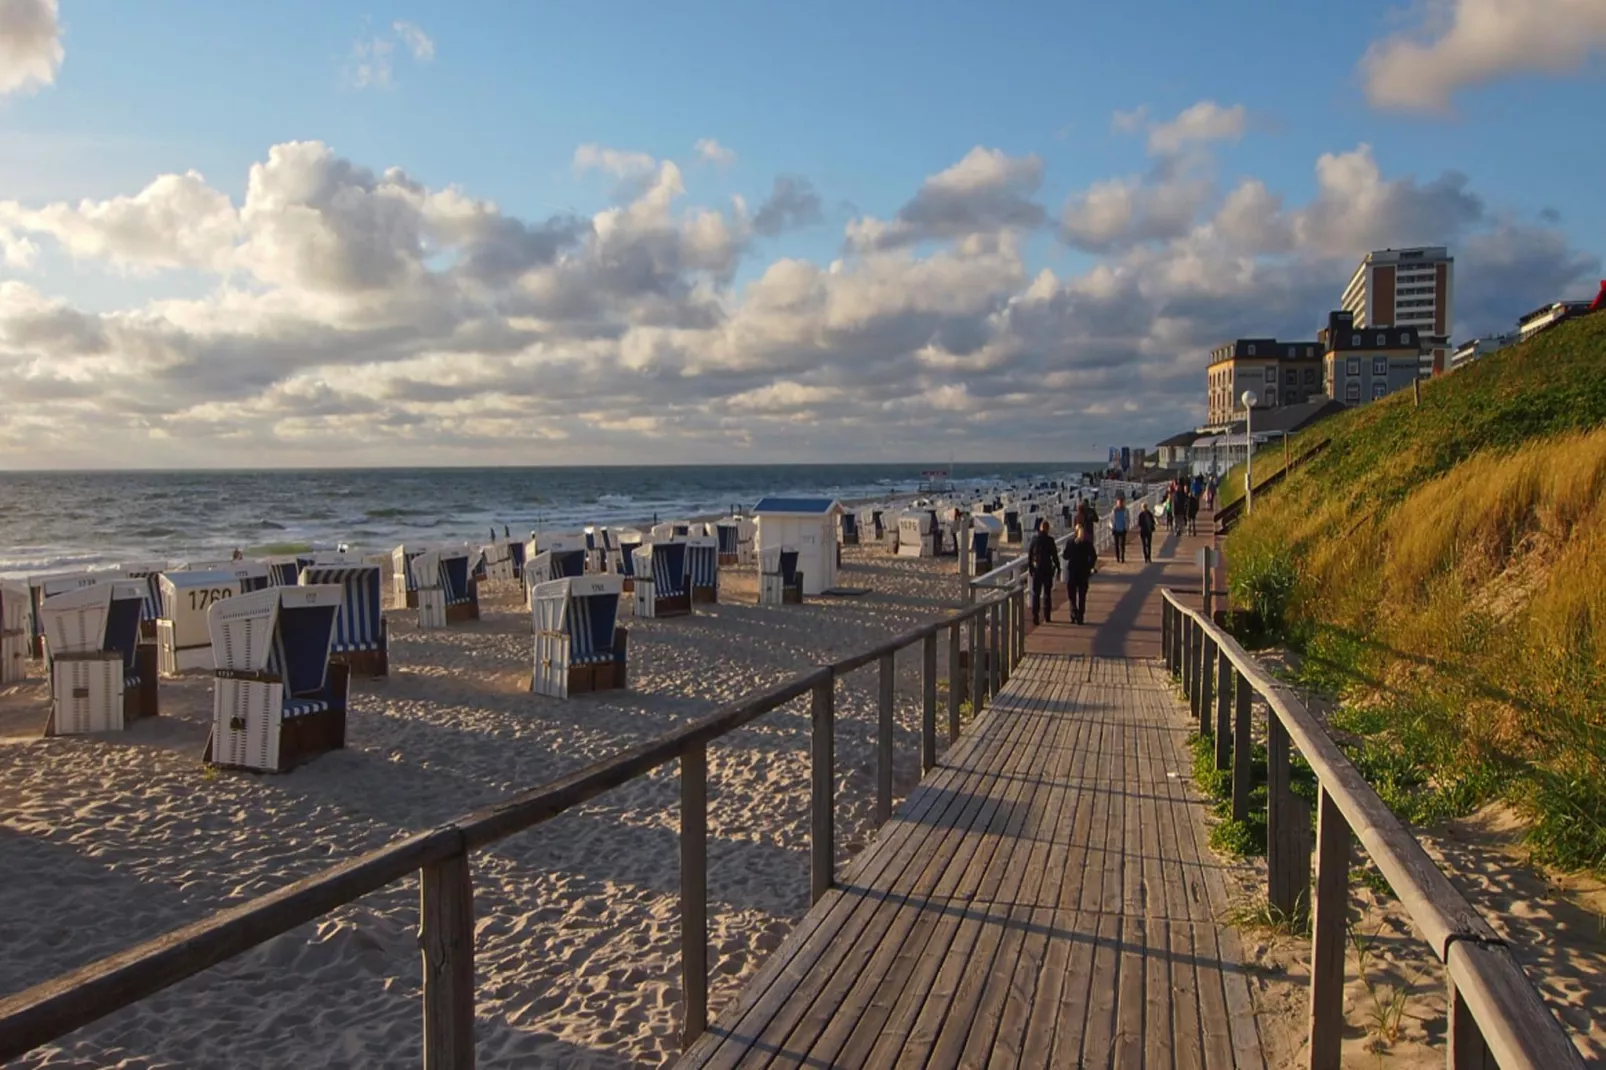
(1286, 877)
(822, 845)
(446, 936)
(1165, 632)
(1178, 639)
(883, 765)
(1006, 637)
(1243, 748)
(1207, 685)
(978, 664)
(928, 706)
(1329, 917)
(1467, 1050)
(694, 890)
(956, 680)
(994, 649)
(1224, 739)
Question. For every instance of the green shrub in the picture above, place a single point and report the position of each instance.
(1263, 580)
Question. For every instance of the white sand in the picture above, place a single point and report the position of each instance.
(107, 841)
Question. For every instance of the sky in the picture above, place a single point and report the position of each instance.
(516, 232)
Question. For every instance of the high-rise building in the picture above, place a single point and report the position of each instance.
(1407, 288)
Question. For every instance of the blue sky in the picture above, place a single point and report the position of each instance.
(1477, 144)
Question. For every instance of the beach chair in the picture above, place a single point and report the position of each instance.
(284, 570)
(727, 539)
(660, 588)
(101, 676)
(579, 645)
(15, 631)
(623, 561)
(404, 585)
(48, 586)
(150, 574)
(251, 575)
(702, 568)
(362, 639)
(985, 539)
(443, 580)
(183, 639)
(848, 529)
(780, 581)
(746, 541)
(917, 534)
(277, 700)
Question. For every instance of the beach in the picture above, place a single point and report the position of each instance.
(110, 840)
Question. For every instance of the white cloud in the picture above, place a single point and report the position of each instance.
(616, 162)
(1198, 124)
(30, 45)
(1462, 43)
(714, 152)
(373, 63)
(363, 315)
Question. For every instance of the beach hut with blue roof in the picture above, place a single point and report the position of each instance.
(807, 525)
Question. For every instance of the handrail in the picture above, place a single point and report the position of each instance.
(1494, 1009)
(72, 1000)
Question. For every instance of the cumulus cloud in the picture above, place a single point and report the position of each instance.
(30, 45)
(986, 191)
(714, 152)
(1463, 43)
(373, 58)
(1199, 124)
(361, 314)
(616, 162)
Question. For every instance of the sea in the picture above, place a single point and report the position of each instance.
(66, 521)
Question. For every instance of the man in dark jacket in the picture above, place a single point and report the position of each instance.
(1146, 532)
(1043, 562)
(1080, 561)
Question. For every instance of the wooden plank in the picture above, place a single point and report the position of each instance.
(694, 891)
(814, 944)
(446, 936)
(1517, 1027)
(1131, 991)
(1159, 1048)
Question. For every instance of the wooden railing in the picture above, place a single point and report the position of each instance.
(1496, 1016)
(1228, 514)
(55, 1008)
(1013, 571)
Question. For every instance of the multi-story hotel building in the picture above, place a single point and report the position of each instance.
(1407, 288)
(1280, 373)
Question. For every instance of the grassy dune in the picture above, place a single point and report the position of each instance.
(1445, 573)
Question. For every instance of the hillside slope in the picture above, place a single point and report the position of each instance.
(1445, 571)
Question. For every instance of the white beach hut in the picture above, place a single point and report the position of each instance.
(183, 641)
(807, 525)
(579, 645)
(661, 588)
(277, 700)
(101, 676)
(14, 631)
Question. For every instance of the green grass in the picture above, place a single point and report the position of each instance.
(1246, 838)
(1439, 568)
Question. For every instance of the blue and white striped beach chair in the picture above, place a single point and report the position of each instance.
(362, 639)
(579, 645)
(15, 614)
(101, 676)
(780, 582)
(660, 588)
(404, 584)
(728, 535)
(702, 568)
(277, 698)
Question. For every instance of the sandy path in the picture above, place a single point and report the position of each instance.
(107, 841)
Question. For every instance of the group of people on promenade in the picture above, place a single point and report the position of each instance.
(1180, 507)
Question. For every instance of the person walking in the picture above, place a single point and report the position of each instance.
(1118, 527)
(1087, 514)
(1146, 532)
(1193, 514)
(1043, 562)
(1080, 560)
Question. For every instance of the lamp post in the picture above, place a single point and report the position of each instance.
(1249, 398)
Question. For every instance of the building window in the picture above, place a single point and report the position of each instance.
(1271, 395)
(1355, 340)
(1310, 375)
(1352, 393)
(1379, 388)
(1352, 366)
(1292, 378)
(1405, 338)
(1380, 366)
(1271, 373)
(1251, 350)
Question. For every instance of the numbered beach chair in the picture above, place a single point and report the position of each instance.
(404, 585)
(150, 574)
(183, 641)
(660, 588)
(101, 676)
(917, 535)
(622, 561)
(702, 568)
(579, 645)
(48, 586)
(728, 537)
(780, 581)
(447, 592)
(15, 631)
(277, 700)
(251, 575)
(560, 557)
(986, 536)
(362, 639)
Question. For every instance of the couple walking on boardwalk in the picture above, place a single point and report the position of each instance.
(1121, 524)
(1043, 562)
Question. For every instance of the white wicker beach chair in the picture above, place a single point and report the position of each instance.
(183, 641)
(780, 582)
(661, 589)
(14, 631)
(579, 645)
(101, 676)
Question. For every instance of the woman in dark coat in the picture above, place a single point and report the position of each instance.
(1080, 561)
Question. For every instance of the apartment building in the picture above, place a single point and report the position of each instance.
(1280, 373)
(1363, 364)
(1412, 288)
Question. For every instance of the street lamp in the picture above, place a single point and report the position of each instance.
(1249, 399)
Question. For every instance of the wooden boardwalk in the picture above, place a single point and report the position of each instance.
(1045, 898)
